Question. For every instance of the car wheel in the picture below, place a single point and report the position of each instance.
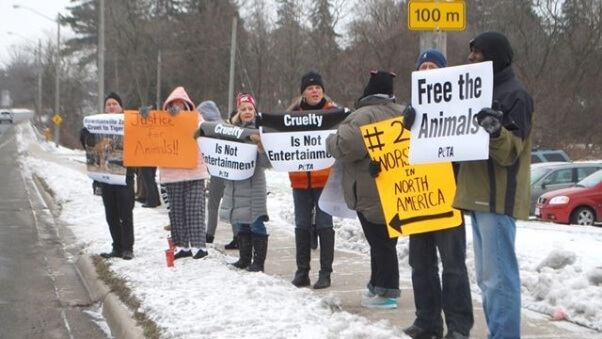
(583, 216)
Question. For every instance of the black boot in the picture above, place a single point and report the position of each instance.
(233, 245)
(245, 249)
(326, 236)
(314, 237)
(260, 251)
(302, 243)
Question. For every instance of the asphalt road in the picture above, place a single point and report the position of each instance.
(41, 294)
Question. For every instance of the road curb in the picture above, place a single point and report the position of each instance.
(117, 314)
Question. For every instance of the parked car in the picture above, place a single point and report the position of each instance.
(6, 117)
(547, 155)
(580, 204)
(549, 176)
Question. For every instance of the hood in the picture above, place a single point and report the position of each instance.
(209, 111)
(496, 48)
(179, 93)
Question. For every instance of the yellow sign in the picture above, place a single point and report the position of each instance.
(415, 198)
(444, 15)
(57, 119)
(160, 139)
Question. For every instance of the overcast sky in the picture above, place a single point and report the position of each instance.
(28, 27)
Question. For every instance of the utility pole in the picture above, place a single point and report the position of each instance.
(57, 82)
(232, 61)
(101, 56)
(158, 99)
(434, 39)
(39, 71)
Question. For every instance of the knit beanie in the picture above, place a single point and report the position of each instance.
(495, 47)
(381, 82)
(311, 78)
(209, 111)
(115, 96)
(433, 56)
(245, 97)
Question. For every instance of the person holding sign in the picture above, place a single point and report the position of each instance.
(186, 191)
(360, 191)
(245, 201)
(118, 200)
(496, 191)
(307, 186)
(430, 296)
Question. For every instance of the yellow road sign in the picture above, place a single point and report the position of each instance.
(57, 119)
(445, 15)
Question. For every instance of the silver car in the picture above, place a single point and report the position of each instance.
(549, 176)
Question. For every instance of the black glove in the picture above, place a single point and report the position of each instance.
(374, 168)
(173, 110)
(145, 111)
(409, 115)
(491, 119)
(86, 138)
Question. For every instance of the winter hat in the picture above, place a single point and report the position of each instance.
(245, 97)
(209, 111)
(433, 56)
(311, 78)
(114, 96)
(495, 47)
(179, 93)
(381, 82)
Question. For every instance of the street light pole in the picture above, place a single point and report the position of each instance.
(57, 83)
(57, 91)
(101, 55)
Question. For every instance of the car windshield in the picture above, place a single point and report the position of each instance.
(537, 173)
(591, 180)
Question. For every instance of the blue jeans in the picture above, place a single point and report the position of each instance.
(497, 272)
(430, 295)
(306, 201)
(257, 227)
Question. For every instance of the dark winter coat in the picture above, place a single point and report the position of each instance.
(500, 184)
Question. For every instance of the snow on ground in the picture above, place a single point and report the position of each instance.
(561, 267)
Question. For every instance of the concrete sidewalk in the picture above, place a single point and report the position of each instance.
(351, 273)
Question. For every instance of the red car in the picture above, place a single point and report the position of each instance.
(580, 204)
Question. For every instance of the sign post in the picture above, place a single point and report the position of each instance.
(436, 15)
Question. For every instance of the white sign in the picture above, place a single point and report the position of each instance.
(297, 151)
(446, 101)
(332, 199)
(104, 152)
(228, 159)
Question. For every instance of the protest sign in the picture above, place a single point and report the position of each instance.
(331, 199)
(104, 148)
(296, 141)
(446, 101)
(415, 198)
(226, 153)
(161, 139)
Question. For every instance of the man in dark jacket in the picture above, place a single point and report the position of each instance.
(496, 191)
(451, 292)
(118, 200)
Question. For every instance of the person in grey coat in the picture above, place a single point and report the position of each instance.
(210, 112)
(245, 201)
(360, 191)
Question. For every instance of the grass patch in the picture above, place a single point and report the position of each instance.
(118, 286)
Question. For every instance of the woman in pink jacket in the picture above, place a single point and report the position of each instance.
(186, 192)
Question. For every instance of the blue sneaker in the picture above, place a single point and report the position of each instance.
(377, 301)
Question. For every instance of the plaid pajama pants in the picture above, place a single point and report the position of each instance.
(187, 213)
